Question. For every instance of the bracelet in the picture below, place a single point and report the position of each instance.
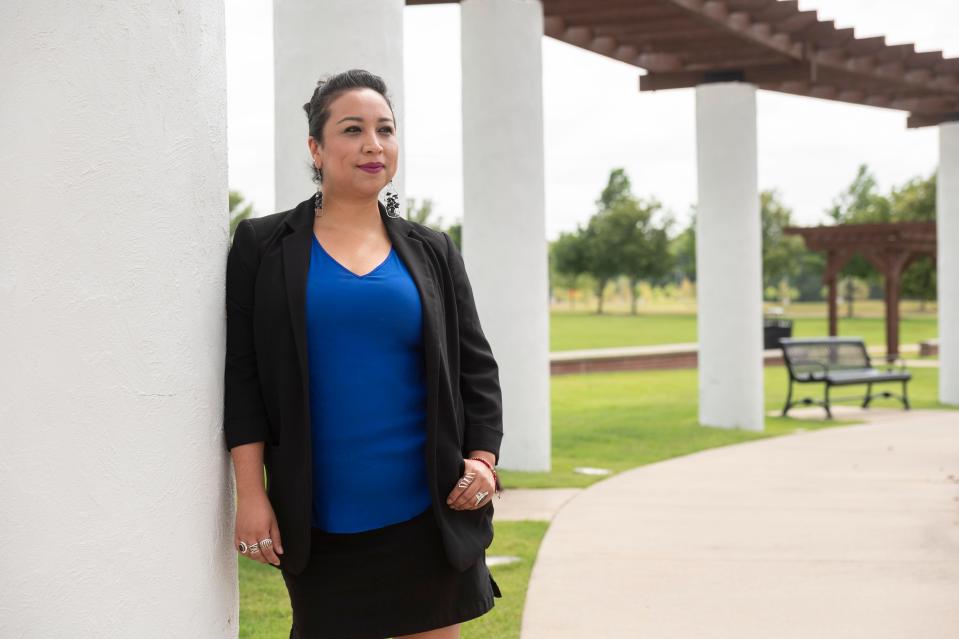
(490, 466)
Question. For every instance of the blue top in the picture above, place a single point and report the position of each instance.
(367, 394)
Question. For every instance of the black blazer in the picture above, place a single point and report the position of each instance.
(266, 395)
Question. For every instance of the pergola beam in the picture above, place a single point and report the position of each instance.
(682, 43)
(916, 120)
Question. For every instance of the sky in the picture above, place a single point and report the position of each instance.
(595, 119)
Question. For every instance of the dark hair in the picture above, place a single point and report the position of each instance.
(327, 90)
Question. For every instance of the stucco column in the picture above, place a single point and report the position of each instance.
(116, 500)
(728, 258)
(504, 230)
(312, 40)
(947, 274)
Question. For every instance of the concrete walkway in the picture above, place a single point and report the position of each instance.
(513, 504)
(846, 532)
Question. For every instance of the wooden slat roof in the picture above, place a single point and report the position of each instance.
(912, 236)
(769, 43)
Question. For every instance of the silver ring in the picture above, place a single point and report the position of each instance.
(481, 495)
(243, 547)
(266, 542)
(254, 548)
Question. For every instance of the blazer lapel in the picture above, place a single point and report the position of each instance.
(296, 264)
(297, 247)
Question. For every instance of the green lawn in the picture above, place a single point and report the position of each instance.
(579, 330)
(265, 606)
(612, 420)
(520, 539)
(264, 603)
(615, 420)
(621, 420)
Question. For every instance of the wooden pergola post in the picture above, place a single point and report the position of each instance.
(835, 260)
(891, 264)
(889, 247)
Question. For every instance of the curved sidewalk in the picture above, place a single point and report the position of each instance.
(847, 532)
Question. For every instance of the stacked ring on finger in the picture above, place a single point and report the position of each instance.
(254, 548)
(266, 542)
(242, 547)
(481, 495)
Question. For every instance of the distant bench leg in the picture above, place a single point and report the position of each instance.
(828, 412)
(789, 397)
(868, 398)
(905, 398)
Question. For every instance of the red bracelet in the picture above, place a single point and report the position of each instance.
(490, 466)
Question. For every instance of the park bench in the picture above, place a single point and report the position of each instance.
(837, 361)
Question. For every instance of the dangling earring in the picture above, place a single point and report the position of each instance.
(392, 200)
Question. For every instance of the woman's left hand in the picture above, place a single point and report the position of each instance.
(463, 496)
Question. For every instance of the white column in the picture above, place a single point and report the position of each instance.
(728, 258)
(116, 504)
(947, 268)
(312, 40)
(504, 231)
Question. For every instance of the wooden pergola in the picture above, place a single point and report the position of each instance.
(889, 247)
(769, 43)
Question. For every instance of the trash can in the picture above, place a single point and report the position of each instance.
(775, 328)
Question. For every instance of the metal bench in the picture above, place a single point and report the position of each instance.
(837, 361)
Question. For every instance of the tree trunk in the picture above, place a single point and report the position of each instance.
(600, 287)
(850, 292)
(632, 296)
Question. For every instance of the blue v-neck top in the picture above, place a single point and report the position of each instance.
(367, 394)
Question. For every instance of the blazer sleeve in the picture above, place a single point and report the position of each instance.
(479, 373)
(244, 415)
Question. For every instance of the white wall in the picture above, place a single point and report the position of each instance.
(947, 237)
(728, 258)
(504, 228)
(116, 502)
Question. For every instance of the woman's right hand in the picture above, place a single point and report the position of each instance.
(255, 521)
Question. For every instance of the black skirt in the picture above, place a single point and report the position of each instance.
(385, 582)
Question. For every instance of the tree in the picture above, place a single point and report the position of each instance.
(780, 253)
(915, 201)
(782, 292)
(455, 231)
(617, 188)
(852, 288)
(602, 254)
(237, 212)
(621, 239)
(808, 278)
(682, 248)
(602, 242)
(421, 213)
(860, 203)
(567, 260)
(642, 247)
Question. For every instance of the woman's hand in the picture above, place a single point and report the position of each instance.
(476, 477)
(255, 521)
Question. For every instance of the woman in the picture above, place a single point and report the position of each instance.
(358, 374)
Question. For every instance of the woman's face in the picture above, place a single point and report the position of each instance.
(360, 131)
